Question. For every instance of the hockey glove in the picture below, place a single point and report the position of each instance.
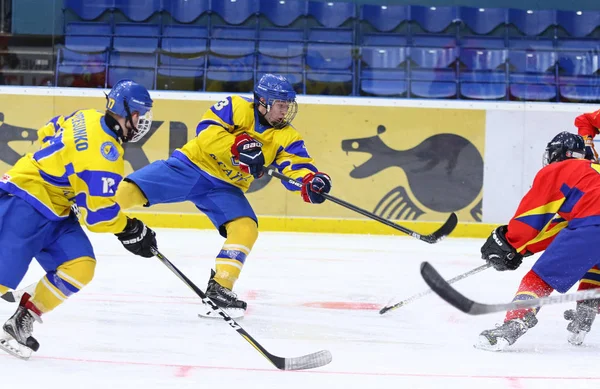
(499, 253)
(138, 238)
(248, 152)
(313, 184)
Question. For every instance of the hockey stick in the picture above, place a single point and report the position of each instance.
(459, 301)
(426, 292)
(310, 361)
(434, 237)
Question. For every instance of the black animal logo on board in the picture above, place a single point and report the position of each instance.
(444, 172)
(10, 133)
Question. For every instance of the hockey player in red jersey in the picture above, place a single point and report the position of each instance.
(568, 185)
(587, 126)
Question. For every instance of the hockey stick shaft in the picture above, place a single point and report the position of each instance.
(310, 361)
(446, 228)
(429, 291)
(471, 307)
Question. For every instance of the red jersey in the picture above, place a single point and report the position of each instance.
(588, 124)
(571, 189)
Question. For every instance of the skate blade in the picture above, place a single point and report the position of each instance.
(14, 348)
(576, 339)
(484, 344)
(234, 313)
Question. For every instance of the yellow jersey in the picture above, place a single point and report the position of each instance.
(80, 162)
(210, 150)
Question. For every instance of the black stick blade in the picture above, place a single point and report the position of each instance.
(9, 297)
(445, 230)
(443, 289)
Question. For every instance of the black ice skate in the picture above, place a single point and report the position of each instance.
(506, 334)
(581, 319)
(224, 299)
(17, 339)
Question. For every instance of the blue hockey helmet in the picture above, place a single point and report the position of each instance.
(271, 89)
(127, 97)
(563, 146)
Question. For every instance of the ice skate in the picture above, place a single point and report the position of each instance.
(17, 338)
(224, 299)
(504, 335)
(582, 318)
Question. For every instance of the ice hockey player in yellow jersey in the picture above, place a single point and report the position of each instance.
(79, 164)
(235, 139)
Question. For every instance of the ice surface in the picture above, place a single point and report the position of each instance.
(136, 324)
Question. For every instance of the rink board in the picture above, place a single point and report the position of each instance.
(410, 161)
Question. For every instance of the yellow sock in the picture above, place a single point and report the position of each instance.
(4, 289)
(56, 286)
(241, 235)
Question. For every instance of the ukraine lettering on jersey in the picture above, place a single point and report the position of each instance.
(215, 134)
(80, 161)
(569, 189)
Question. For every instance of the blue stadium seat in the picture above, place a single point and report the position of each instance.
(540, 62)
(384, 57)
(184, 39)
(132, 60)
(232, 47)
(477, 59)
(280, 49)
(385, 83)
(578, 79)
(330, 14)
(533, 92)
(186, 11)
(281, 34)
(483, 90)
(483, 21)
(321, 56)
(136, 38)
(533, 77)
(433, 90)
(384, 17)
(432, 72)
(138, 10)
(181, 73)
(329, 82)
(532, 22)
(88, 36)
(69, 57)
(235, 11)
(89, 9)
(142, 76)
(578, 23)
(331, 35)
(433, 19)
(484, 77)
(436, 41)
(432, 57)
(283, 13)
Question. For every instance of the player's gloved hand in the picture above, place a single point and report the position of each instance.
(499, 253)
(313, 184)
(138, 238)
(590, 150)
(248, 152)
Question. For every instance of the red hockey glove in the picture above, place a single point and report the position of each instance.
(313, 184)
